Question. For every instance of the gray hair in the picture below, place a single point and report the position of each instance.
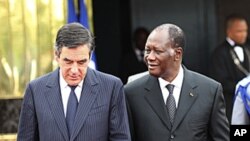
(176, 34)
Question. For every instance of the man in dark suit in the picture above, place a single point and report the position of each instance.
(230, 60)
(172, 102)
(133, 61)
(74, 102)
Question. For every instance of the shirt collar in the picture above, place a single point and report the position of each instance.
(230, 41)
(138, 51)
(177, 82)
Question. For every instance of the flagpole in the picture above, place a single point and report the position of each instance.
(90, 14)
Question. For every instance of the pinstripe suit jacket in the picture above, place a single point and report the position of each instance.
(101, 114)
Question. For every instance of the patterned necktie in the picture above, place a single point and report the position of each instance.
(71, 109)
(171, 106)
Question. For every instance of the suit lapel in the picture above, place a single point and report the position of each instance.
(88, 96)
(246, 58)
(154, 97)
(53, 95)
(187, 98)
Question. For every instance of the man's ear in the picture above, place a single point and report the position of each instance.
(178, 53)
(56, 56)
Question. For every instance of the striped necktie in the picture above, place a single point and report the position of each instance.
(71, 109)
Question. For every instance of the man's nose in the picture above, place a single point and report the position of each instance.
(151, 55)
(74, 68)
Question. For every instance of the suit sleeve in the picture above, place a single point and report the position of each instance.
(131, 125)
(219, 126)
(28, 126)
(118, 122)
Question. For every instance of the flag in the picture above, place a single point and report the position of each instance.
(78, 13)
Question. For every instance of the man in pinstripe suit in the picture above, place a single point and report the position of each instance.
(101, 112)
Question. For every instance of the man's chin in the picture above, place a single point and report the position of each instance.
(154, 73)
(73, 82)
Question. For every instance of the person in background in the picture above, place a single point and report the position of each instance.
(230, 60)
(133, 61)
(74, 102)
(241, 106)
(172, 102)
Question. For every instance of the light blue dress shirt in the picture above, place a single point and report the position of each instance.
(241, 108)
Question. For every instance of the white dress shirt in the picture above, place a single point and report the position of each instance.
(238, 50)
(139, 54)
(177, 82)
(65, 91)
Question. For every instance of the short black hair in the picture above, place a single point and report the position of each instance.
(232, 18)
(140, 30)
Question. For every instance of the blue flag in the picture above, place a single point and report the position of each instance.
(81, 17)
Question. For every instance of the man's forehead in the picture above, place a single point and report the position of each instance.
(158, 36)
(75, 54)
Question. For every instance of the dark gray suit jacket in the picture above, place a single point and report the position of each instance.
(200, 114)
(101, 114)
